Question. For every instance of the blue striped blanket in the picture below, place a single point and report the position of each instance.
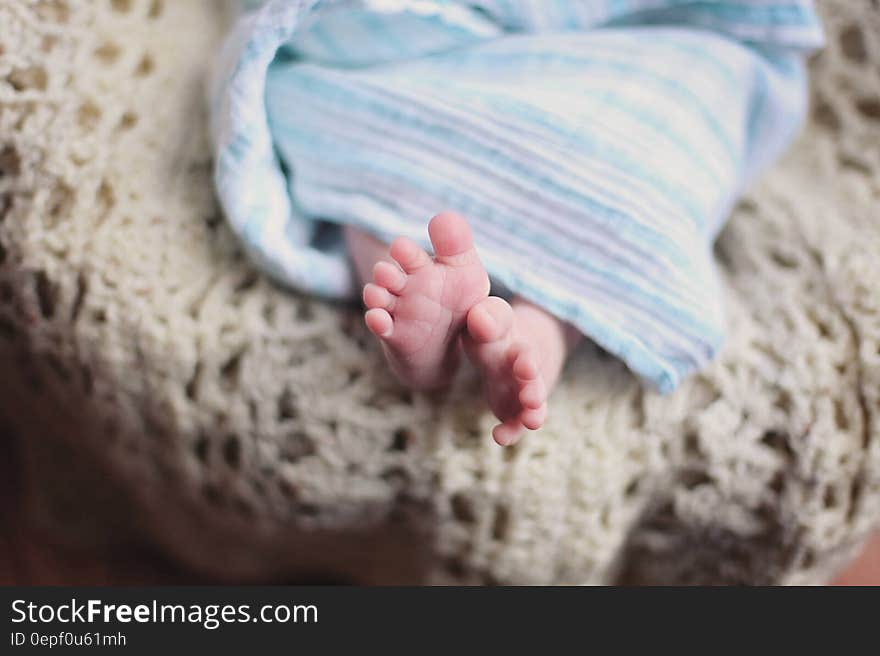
(596, 146)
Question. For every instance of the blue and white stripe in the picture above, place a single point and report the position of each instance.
(595, 146)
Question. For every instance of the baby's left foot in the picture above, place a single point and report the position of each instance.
(417, 306)
(509, 361)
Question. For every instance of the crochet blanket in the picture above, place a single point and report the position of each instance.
(166, 393)
(595, 147)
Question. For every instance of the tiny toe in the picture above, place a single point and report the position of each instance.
(524, 365)
(489, 320)
(534, 419)
(389, 276)
(533, 395)
(379, 322)
(378, 297)
(513, 353)
(508, 433)
(450, 235)
(408, 254)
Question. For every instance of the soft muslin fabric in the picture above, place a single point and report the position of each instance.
(595, 146)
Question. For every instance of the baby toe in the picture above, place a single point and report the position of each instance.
(450, 236)
(408, 254)
(534, 419)
(389, 276)
(378, 297)
(533, 395)
(525, 366)
(489, 320)
(508, 433)
(379, 322)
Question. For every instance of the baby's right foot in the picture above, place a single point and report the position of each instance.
(512, 373)
(418, 304)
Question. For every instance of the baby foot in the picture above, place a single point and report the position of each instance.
(418, 304)
(515, 386)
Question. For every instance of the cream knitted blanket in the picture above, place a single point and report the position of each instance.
(250, 432)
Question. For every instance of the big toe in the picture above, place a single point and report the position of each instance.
(489, 320)
(451, 236)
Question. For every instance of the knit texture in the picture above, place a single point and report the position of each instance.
(167, 392)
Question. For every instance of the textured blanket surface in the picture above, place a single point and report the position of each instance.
(596, 147)
(166, 392)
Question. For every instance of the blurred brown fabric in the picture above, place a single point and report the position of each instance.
(29, 558)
